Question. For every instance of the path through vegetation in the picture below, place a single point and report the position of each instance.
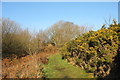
(58, 68)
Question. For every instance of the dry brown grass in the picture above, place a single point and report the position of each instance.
(26, 67)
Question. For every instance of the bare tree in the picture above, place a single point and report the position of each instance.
(62, 32)
(14, 39)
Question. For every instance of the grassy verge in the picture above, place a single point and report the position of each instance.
(58, 68)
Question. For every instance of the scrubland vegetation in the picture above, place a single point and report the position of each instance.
(64, 50)
(17, 41)
(96, 51)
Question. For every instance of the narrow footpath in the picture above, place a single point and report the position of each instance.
(58, 68)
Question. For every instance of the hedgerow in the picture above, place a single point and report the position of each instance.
(94, 51)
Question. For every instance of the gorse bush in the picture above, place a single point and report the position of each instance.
(94, 51)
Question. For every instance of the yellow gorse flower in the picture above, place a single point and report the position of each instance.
(81, 47)
(78, 40)
(91, 38)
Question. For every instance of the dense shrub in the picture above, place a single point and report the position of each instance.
(14, 39)
(94, 51)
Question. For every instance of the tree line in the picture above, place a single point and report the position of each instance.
(18, 41)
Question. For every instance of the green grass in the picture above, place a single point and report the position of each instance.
(58, 68)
